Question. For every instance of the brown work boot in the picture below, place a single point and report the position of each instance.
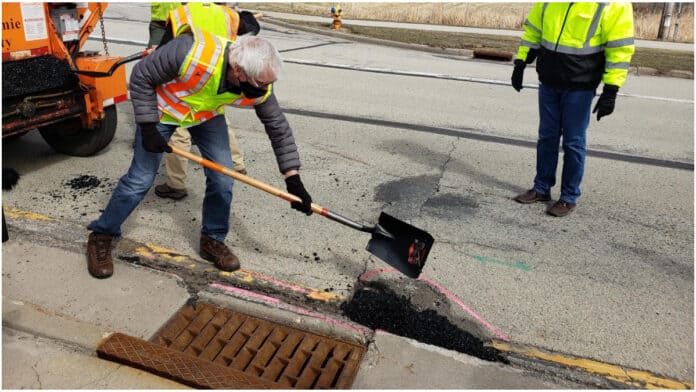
(561, 208)
(217, 252)
(531, 196)
(99, 262)
(165, 190)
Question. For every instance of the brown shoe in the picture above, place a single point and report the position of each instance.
(531, 196)
(241, 171)
(165, 190)
(99, 262)
(561, 208)
(217, 252)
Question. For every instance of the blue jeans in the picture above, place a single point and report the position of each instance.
(562, 113)
(212, 140)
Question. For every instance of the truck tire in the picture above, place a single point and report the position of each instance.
(68, 137)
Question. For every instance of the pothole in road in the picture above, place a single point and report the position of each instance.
(379, 307)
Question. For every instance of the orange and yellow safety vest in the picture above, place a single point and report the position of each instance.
(193, 96)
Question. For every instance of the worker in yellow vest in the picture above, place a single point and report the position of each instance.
(222, 21)
(576, 46)
(158, 21)
(187, 83)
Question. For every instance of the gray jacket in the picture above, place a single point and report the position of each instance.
(163, 65)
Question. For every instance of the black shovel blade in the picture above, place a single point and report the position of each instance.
(406, 251)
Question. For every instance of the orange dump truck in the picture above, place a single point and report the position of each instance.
(50, 85)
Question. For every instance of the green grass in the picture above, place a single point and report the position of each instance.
(662, 60)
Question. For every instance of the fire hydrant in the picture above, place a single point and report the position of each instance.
(336, 14)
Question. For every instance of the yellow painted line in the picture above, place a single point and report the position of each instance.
(16, 213)
(613, 372)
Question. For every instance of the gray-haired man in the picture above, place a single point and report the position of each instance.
(187, 82)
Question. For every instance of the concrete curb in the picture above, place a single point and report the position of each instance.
(35, 320)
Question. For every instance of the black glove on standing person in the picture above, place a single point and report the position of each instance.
(517, 74)
(605, 103)
(152, 139)
(294, 186)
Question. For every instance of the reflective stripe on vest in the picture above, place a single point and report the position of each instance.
(232, 23)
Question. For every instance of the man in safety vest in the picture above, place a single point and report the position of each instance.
(158, 20)
(576, 46)
(219, 20)
(187, 83)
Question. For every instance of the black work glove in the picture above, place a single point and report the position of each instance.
(517, 74)
(605, 103)
(294, 186)
(9, 178)
(152, 139)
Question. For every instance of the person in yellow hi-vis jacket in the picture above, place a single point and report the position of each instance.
(576, 46)
(222, 21)
(158, 21)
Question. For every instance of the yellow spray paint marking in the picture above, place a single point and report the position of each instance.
(16, 213)
(612, 372)
(167, 253)
(244, 276)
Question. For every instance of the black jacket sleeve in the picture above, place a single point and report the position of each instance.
(168, 35)
(248, 24)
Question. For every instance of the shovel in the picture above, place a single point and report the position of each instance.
(399, 244)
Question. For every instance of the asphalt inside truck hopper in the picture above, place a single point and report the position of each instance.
(19, 77)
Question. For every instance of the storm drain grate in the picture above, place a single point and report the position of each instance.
(274, 353)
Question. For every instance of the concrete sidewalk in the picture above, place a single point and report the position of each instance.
(55, 315)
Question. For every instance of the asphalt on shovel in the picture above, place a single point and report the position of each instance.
(399, 244)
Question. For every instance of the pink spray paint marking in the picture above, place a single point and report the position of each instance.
(475, 315)
(248, 293)
(293, 308)
(369, 274)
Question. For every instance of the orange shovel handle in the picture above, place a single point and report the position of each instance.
(244, 178)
